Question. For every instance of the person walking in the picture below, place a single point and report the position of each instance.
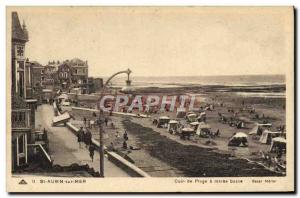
(106, 121)
(92, 151)
(80, 136)
(88, 138)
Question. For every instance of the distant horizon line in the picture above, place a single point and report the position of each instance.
(232, 75)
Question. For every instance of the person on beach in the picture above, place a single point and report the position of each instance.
(92, 123)
(84, 121)
(80, 136)
(117, 134)
(125, 145)
(92, 151)
(88, 123)
(125, 136)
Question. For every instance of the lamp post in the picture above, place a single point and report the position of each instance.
(101, 147)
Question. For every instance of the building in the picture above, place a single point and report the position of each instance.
(23, 104)
(79, 70)
(36, 79)
(94, 85)
(64, 74)
(73, 74)
(50, 77)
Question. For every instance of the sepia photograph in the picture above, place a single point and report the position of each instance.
(150, 99)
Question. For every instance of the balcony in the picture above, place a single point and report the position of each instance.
(20, 118)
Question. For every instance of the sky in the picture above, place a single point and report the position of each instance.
(153, 41)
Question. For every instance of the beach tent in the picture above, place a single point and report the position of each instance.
(194, 125)
(267, 136)
(240, 124)
(258, 129)
(180, 113)
(278, 143)
(192, 117)
(202, 117)
(203, 129)
(163, 121)
(172, 126)
(186, 133)
(238, 139)
(209, 107)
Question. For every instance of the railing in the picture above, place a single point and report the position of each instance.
(20, 118)
(43, 153)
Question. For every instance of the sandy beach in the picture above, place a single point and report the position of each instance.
(162, 154)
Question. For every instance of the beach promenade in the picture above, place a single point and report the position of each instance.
(64, 148)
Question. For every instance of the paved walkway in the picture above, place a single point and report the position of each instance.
(64, 148)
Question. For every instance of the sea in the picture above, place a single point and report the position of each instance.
(178, 81)
(183, 81)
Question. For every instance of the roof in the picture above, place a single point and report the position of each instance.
(192, 115)
(194, 123)
(279, 139)
(47, 90)
(268, 131)
(267, 124)
(204, 126)
(77, 62)
(18, 32)
(240, 134)
(187, 129)
(164, 118)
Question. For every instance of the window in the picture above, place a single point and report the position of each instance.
(21, 65)
(20, 51)
(21, 144)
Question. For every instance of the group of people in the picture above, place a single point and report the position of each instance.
(89, 123)
(85, 136)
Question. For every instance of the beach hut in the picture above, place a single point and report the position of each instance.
(163, 121)
(186, 133)
(203, 130)
(259, 128)
(194, 125)
(240, 125)
(267, 136)
(278, 144)
(202, 117)
(238, 139)
(180, 113)
(191, 117)
(172, 126)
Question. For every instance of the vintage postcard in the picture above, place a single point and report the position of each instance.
(150, 99)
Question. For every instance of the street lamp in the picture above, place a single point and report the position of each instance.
(101, 147)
